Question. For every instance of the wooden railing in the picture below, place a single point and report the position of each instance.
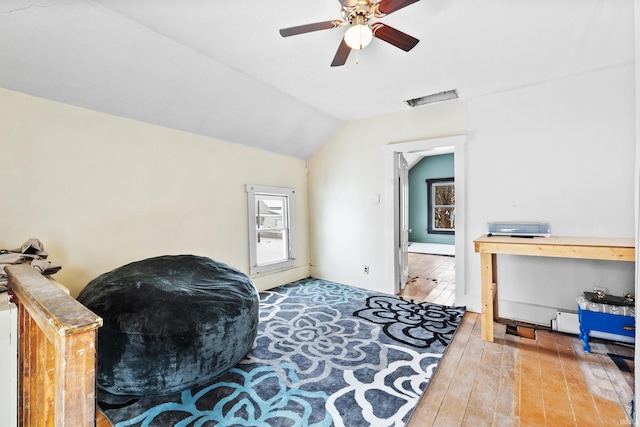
(57, 339)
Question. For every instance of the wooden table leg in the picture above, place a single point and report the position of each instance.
(487, 292)
(494, 285)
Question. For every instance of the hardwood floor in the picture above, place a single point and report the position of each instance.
(431, 278)
(518, 381)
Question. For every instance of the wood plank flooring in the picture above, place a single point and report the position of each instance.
(517, 381)
(431, 278)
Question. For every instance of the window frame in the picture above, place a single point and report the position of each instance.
(256, 269)
(431, 183)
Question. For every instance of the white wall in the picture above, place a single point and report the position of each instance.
(101, 191)
(561, 151)
(636, 4)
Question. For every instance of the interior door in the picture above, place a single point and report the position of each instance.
(403, 215)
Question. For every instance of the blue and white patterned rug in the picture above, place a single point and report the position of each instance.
(326, 355)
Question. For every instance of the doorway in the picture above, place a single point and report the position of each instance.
(432, 224)
(454, 144)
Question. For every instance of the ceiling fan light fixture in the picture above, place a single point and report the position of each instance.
(358, 36)
(356, 15)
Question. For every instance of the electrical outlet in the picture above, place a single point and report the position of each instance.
(366, 269)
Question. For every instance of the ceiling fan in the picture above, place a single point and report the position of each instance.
(357, 14)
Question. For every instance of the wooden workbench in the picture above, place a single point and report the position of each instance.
(612, 249)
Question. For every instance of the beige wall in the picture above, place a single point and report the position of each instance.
(348, 230)
(101, 191)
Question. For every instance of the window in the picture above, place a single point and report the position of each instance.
(271, 228)
(442, 206)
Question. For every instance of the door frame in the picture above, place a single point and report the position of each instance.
(402, 172)
(452, 144)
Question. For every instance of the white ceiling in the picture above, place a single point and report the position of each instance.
(221, 69)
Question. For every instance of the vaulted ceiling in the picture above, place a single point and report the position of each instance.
(221, 69)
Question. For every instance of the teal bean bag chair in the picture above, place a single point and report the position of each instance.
(170, 323)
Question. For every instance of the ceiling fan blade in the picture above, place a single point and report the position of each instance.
(341, 55)
(394, 37)
(307, 28)
(389, 6)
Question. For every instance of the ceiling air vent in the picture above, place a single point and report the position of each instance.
(436, 97)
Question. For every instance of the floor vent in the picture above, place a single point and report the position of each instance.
(521, 331)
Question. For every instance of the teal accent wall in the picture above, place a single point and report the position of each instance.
(428, 168)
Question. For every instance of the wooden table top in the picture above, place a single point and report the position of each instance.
(620, 249)
(617, 242)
